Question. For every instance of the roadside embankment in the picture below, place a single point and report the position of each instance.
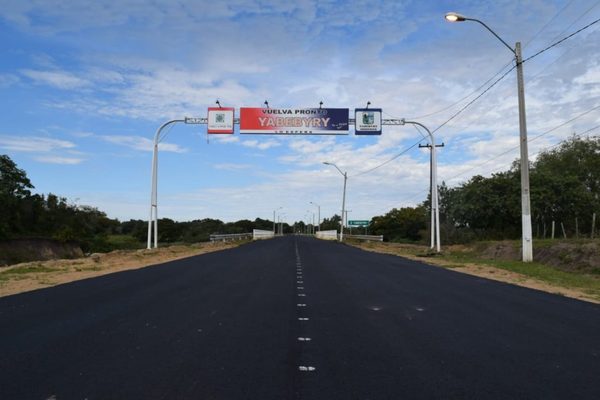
(29, 276)
(567, 268)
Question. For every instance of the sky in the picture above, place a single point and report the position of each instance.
(84, 85)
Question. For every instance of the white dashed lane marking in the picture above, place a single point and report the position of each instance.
(299, 289)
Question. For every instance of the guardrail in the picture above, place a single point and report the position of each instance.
(326, 235)
(262, 234)
(230, 237)
(373, 238)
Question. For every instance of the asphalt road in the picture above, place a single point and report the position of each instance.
(296, 318)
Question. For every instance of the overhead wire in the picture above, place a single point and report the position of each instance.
(529, 140)
(462, 109)
(548, 23)
(465, 97)
(562, 40)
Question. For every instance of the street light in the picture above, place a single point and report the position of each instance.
(435, 209)
(318, 216)
(280, 221)
(527, 239)
(345, 175)
(277, 209)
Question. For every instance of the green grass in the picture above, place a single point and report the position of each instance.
(588, 283)
(19, 272)
(124, 242)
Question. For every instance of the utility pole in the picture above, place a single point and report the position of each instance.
(435, 212)
(431, 187)
(527, 239)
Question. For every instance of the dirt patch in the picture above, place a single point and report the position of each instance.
(27, 250)
(423, 254)
(579, 257)
(25, 277)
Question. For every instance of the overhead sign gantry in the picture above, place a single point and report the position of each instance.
(290, 121)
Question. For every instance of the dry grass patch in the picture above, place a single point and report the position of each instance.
(461, 258)
(39, 274)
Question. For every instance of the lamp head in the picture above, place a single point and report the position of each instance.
(327, 163)
(455, 17)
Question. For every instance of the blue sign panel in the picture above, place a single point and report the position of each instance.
(367, 121)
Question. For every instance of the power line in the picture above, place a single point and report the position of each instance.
(555, 145)
(465, 97)
(562, 40)
(388, 161)
(575, 21)
(499, 168)
(474, 100)
(507, 72)
(528, 141)
(483, 93)
(549, 22)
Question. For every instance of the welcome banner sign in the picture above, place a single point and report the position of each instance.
(294, 121)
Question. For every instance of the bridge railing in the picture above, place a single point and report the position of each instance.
(230, 237)
(373, 238)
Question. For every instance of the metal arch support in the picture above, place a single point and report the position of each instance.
(204, 121)
(154, 184)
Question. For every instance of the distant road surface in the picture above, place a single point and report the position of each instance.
(296, 318)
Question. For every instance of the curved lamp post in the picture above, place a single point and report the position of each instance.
(435, 208)
(527, 238)
(153, 195)
(318, 216)
(345, 175)
(277, 209)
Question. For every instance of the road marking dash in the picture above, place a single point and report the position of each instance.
(302, 319)
(306, 368)
(304, 339)
(301, 305)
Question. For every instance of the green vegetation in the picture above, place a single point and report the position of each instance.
(565, 189)
(24, 215)
(14, 273)
(587, 282)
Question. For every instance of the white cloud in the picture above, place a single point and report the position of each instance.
(141, 143)
(33, 144)
(260, 144)
(58, 79)
(7, 80)
(59, 160)
(232, 166)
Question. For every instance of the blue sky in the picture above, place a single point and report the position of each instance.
(84, 86)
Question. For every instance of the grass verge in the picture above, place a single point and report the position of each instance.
(469, 260)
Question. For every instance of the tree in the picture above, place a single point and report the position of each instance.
(405, 223)
(14, 187)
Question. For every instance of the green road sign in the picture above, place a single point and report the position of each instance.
(358, 223)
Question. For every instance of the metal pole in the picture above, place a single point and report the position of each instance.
(154, 194)
(525, 200)
(273, 222)
(343, 207)
(527, 239)
(435, 215)
(319, 207)
(435, 191)
(431, 199)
